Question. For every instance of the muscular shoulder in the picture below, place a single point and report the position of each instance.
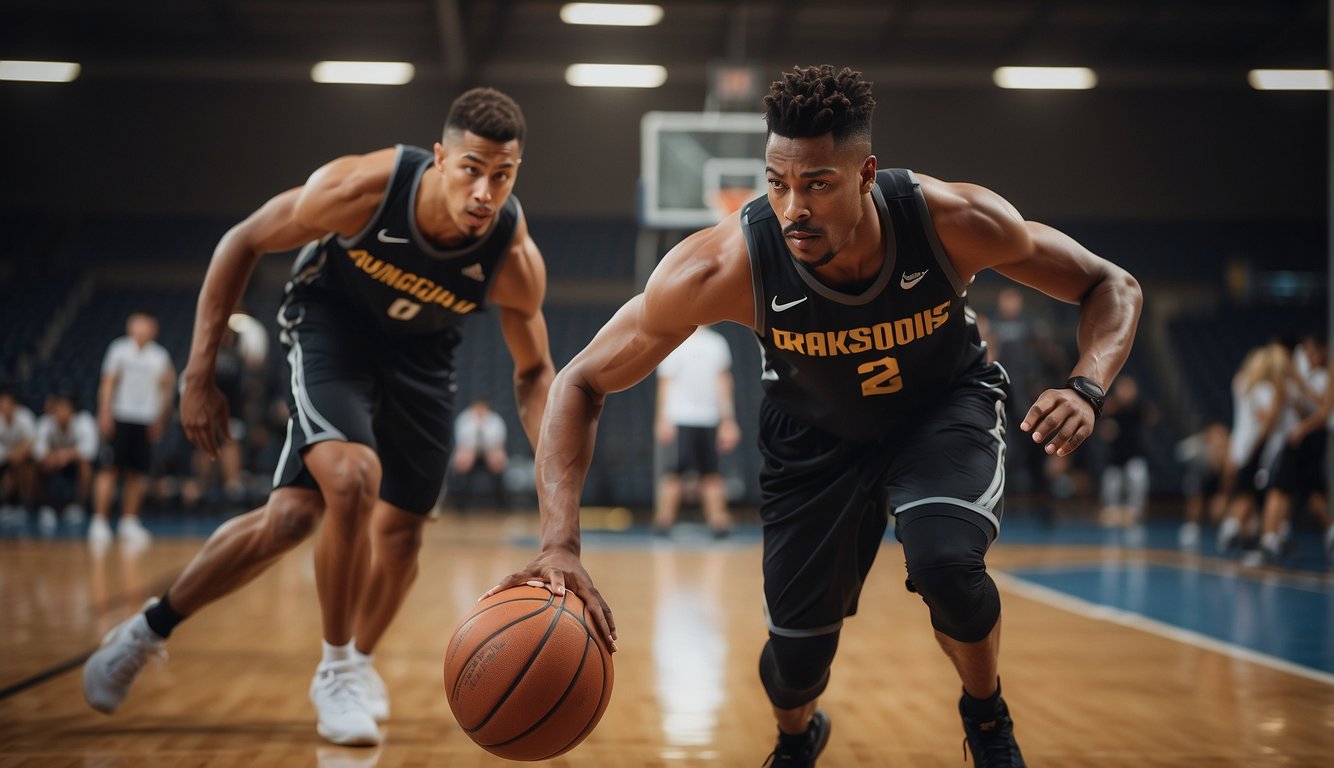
(342, 195)
(521, 283)
(704, 279)
(977, 227)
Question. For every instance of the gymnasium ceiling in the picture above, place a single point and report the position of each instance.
(925, 43)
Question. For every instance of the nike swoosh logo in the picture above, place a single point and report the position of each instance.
(907, 281)
(384, 237)
(780, 307)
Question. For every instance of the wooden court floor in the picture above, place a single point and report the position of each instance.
(1084, 692)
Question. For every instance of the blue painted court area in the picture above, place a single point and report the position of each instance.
(1291, 619)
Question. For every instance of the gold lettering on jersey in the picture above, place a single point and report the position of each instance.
(423, 289)
(851, 341)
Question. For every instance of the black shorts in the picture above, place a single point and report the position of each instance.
(128, 449)
(696, 450)
(1301, 468)
(394, 394)
(825, 501)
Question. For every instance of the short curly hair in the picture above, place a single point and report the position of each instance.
(487, 113)
(813, 101)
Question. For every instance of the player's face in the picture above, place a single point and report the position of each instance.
(477, 177)
(816, 188)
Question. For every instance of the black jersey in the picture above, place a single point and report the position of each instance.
(391, 275)
(860, 365)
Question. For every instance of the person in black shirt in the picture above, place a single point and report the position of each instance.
(400, 246)
(878, 401)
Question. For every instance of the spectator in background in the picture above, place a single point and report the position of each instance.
(231, 376)
(17, 430)
(1125, 476)
(1299, 471)
(64, 449)
(1257, 399)
(1204, 455)
(695, 421)
(134, 401)
(1020, 345)
(479, 448)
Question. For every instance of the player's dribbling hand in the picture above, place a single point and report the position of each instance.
(204, 415)
(558, 570)
(1062, 419)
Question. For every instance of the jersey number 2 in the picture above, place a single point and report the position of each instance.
(884, 378)
(402, 309)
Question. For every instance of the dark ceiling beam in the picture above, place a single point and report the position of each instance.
(1014, 46)
(453, 45)
(893, 28)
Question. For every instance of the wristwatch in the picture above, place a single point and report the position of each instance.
(1088, 389)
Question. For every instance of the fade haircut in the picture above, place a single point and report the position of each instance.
(487, 113)
(813, 101)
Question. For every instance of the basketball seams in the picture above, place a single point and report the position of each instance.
(460, 634)
(532, 658)
(463, 670)
(574, 681)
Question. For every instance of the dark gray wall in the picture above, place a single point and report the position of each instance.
(224, 147)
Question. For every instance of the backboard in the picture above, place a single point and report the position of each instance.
(697, 167)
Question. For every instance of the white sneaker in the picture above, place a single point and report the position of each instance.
(133, 533)
(339, 697)
(99, 533)
(109, 672)
(1227, 534)
(377, 696)
(47, 522)
(1188, 537)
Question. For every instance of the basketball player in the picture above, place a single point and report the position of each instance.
(402, 245)
(878, 397)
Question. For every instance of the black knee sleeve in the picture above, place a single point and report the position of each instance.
(944, 556)
(795, 670)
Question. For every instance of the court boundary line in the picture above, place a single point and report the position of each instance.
(1130, 619)
(74, 662)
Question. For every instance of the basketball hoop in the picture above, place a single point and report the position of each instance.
(728, 200)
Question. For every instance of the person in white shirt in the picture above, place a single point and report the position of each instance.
(1258, 393)
(133, 402)
(1299, 471)
(64, 449)
(479, 447)
(695, 421)
(17, 428)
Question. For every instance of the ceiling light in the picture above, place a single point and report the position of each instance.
(616, 75)
(363, 72)
(611, 14)
(1055, 78)
(39, 71)
(1290, 79)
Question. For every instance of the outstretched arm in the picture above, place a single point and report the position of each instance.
(703, 280)
(980, 230)
(339, 197)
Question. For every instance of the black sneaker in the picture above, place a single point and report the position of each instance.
(803, 753)
(992, 743)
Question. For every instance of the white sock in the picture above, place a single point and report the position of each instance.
(1269, 543)
(334, 653)
(362, 657)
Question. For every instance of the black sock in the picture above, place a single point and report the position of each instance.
(982, 710)
(162, 618)
(795, 739)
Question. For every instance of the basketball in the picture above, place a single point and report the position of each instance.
(526, 673)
